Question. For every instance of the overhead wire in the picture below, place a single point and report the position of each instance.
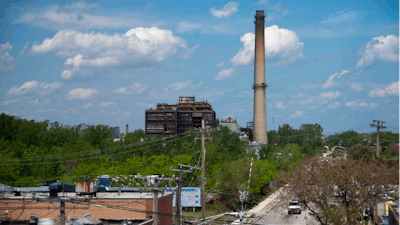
(99, 156)
(91, 151)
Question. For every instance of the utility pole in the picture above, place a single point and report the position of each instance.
(203, 169)
(379, 125)
(155, 190)
(155, 203)
(62, 212)
(179, 191)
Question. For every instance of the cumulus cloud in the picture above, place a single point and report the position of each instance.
(281, 105)
(138, 47)
(297, 114)
(81, 94)
(385, 49)
(35, 86)
(225, 74)
(135, 88)
(180, 86)
(281, 46)
(82, 5)
(228, 10)
(186, 27)
(360, 104)
(392, 89)
(7, 63)
(330, 95)
(220, 64)
(331, 80)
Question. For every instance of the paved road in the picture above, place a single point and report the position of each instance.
(275, 217)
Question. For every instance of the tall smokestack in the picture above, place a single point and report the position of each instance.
(259, 86)
(127, 129)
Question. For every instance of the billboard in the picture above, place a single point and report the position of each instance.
(191, 196)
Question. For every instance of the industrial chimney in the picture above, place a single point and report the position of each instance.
(127, 130)
(259, 86)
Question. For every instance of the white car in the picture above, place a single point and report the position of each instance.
(294, 207)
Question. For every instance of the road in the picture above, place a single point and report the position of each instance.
(282, 217)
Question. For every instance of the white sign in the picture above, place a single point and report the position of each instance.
(191, 196)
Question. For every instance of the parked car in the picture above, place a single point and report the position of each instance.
(294, 207)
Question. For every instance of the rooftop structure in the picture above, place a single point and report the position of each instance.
(169, 120)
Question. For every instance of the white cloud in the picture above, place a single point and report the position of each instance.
(71, 16)
(225, 74)
(13, 101)
(138, 47)
(24, 49)
(220, 64)
(392, 89)
(108, 104)
(360, 104)
(228, 10)
(123, 90)
(385, 49)
(277, 7)
(26, 87)
(186, 27)
(135, 88)
(330, 95)
(82, 5)
(307, 101)
(144, 105)
(189, 52)
(81, 94)
(343, 16)
(7, 63)
(281, 46)
(47, 110)
(297, 114)
(356, 86)
(35, 86)
(180, 86)
(88, 105)
(331, 80)
(281, 105)
(334, 105)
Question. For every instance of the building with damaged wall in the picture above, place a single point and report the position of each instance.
(168, 120)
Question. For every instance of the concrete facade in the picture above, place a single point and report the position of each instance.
(259, 86)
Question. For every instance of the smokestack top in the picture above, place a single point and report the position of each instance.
(259, 13)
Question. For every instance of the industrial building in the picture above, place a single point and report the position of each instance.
(169, 120)
(111, 208)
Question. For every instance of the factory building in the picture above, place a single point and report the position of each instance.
(169, 120)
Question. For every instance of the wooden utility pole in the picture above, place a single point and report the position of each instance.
(203, 168)
(203, 129)
(379, 125)
(62, 212)
(179, 191)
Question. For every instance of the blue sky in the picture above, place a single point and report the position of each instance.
(104, 62)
